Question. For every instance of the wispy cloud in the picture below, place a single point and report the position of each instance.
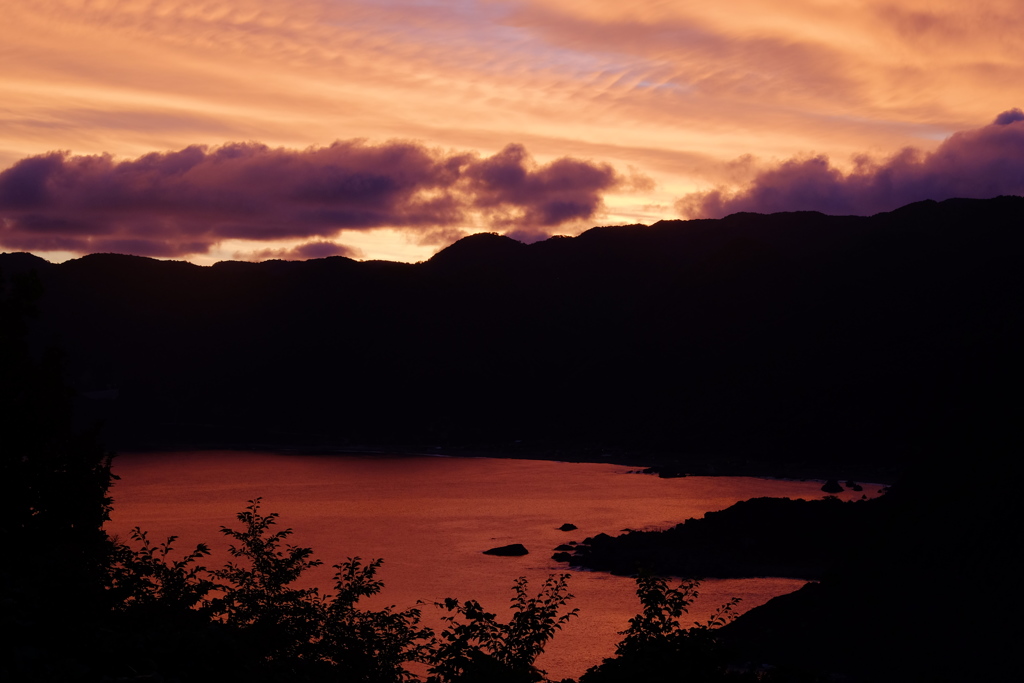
(185, 202)
(747, 76)
(980, 163)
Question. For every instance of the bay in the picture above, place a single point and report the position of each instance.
(431, 517)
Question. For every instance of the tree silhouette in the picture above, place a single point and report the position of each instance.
(274, 629)
(658, 647)
(476, 647)
(53, 506)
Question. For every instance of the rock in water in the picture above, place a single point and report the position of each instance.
(508, 550)
(832, 486)
(568, 527)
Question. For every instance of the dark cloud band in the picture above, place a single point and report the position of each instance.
(980, 163)
(185, 202)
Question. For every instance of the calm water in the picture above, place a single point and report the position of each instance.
(430, 518)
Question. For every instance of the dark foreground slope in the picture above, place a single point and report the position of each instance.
(921, 584)
(934, 594)
(759, 335)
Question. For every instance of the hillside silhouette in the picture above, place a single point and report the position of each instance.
(795, 335)
(891, 340)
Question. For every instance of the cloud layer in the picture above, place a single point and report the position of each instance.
(180, 203)
(674, 89)
(669, 87)
(981, 163)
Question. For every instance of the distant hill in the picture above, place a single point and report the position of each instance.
(783, 335)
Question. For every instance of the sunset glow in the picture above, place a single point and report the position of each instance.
(253, 129)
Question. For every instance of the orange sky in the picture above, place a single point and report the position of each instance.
(677, 97)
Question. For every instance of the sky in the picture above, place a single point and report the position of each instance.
(387, 129)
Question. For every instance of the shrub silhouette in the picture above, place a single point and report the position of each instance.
(147, 578)
(259, 595)
(657, 647)
(288, 631)
(370, 645)
(476, 647)
(275, 630)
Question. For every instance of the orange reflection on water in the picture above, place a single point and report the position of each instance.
(430, 518)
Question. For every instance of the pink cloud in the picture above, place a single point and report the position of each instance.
(980, 163)
(302, 252)
(564, 190)
(185, 202)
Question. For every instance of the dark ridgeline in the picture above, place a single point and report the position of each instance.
(889, 341)
(785, 335)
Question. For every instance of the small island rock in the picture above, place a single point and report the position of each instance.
(512, 550)
(568, 527)
(832, 486)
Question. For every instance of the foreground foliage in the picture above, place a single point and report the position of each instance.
(273, 629)
(270, 626)
(476, 647)
(658, 647)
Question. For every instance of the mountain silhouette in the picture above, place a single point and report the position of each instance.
(795, 335)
